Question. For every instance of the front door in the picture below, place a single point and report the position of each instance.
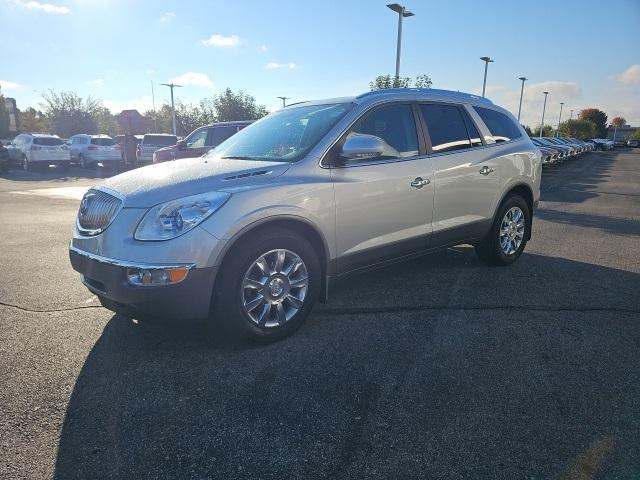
(384, 204)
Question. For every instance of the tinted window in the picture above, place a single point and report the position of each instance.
(160, 140)
(47, 141)
(395, 126)
(446, 127)
(105, 142)
(197, 139)
(218, 135)
(474, 135)
(501, 127)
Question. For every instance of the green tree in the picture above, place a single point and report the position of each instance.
(599, 119)
(69, 113)
(106, 122)
(528, 130)
(382, 82)
(32, 120)
(546, 132)
(229, 106)
(4, 118)
(581, 129)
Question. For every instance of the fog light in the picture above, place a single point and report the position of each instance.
(151, 277)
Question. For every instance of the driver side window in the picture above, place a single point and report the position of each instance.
(395, 126)
(197, 139)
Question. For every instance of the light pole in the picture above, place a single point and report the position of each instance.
(571, 115)
(521, 92)
(544, 106)
(155, 115)
(486, 61)
(402, 12)
(284, 100)
(173, 108)
(559, 120)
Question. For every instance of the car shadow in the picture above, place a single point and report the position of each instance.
(436, 367)
(56, 174)
(616, 226)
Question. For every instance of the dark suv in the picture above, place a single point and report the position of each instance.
(200, 141)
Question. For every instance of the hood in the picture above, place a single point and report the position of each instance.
(154, 184)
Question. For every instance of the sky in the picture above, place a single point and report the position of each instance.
(585, 53)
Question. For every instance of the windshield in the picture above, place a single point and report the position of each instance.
(160, 140)
(50, 141)
(284, 136)
(105, 142)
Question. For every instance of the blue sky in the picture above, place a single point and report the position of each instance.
(586, 53)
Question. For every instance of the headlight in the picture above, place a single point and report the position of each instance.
(177, 217)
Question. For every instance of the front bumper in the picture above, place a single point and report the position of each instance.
(189, 299)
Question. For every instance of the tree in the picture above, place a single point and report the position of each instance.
(546, 132)
(70, 114)
(598, 117)
(528, 130)
(229, 106)
(581, 129)
(618, 122)
(32, 120)
(4, 118)
(382, 82)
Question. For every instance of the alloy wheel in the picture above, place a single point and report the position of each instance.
(512, 230)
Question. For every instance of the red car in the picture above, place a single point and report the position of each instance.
(200, 141)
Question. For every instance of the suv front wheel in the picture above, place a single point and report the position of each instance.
(509, 233)
(268, 286)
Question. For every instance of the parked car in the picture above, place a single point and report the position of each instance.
(633, 143)
(573, 150)
(200, 141)
(40, 149)
(549, 154)
(255, 231)
(152, 142)
(4, 159)
(565, 150)
(90, 150)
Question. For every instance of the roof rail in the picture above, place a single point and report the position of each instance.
(427, 91)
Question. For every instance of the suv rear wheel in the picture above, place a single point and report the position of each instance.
(508, 236)
(268, 286)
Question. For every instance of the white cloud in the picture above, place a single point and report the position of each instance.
(631, 76)
(7, 85)
(150, 71)
(278, 66)
(97, 82)
(167, 17)
(44, 7)
(194, 79)
(141, 104)
(217, 40)
(263, 48)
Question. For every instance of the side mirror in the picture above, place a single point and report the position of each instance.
(359, 146)
(181, 144)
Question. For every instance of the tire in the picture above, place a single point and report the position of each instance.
(284, 316)
(491, 249)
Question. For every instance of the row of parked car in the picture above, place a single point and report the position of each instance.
(558, 149)
(30, 150)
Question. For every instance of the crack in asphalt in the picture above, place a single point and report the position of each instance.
(47, 310)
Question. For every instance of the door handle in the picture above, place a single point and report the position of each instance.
(486, 170)
(419, 182)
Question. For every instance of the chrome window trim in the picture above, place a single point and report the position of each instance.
(128, 264)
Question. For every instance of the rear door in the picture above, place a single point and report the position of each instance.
(196, 144)
(466, 176)
(384, 205)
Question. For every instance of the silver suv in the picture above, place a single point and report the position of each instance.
(253, 233)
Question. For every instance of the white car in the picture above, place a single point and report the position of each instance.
(89, 150)
(41, 149)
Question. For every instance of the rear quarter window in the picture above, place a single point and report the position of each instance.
(501, 127)
(104, 142)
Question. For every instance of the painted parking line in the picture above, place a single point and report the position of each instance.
(70, 193)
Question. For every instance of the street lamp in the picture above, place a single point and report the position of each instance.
(402, 12)
(284, 100)
(486, 61)
(544, 106)
(521, 92)
(173, 108)
(571, 116)
(559, 120)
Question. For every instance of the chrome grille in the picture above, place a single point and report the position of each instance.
(97, 211)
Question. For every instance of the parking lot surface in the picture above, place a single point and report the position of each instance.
(436, 368)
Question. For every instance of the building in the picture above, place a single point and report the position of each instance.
(621, 132)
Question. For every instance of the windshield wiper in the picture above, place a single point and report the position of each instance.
(240, 157)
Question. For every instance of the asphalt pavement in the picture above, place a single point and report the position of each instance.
(440, 367)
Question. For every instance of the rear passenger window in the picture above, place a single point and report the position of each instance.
(395, 126)
(217, 135)
(447, 128)
(501, 127)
